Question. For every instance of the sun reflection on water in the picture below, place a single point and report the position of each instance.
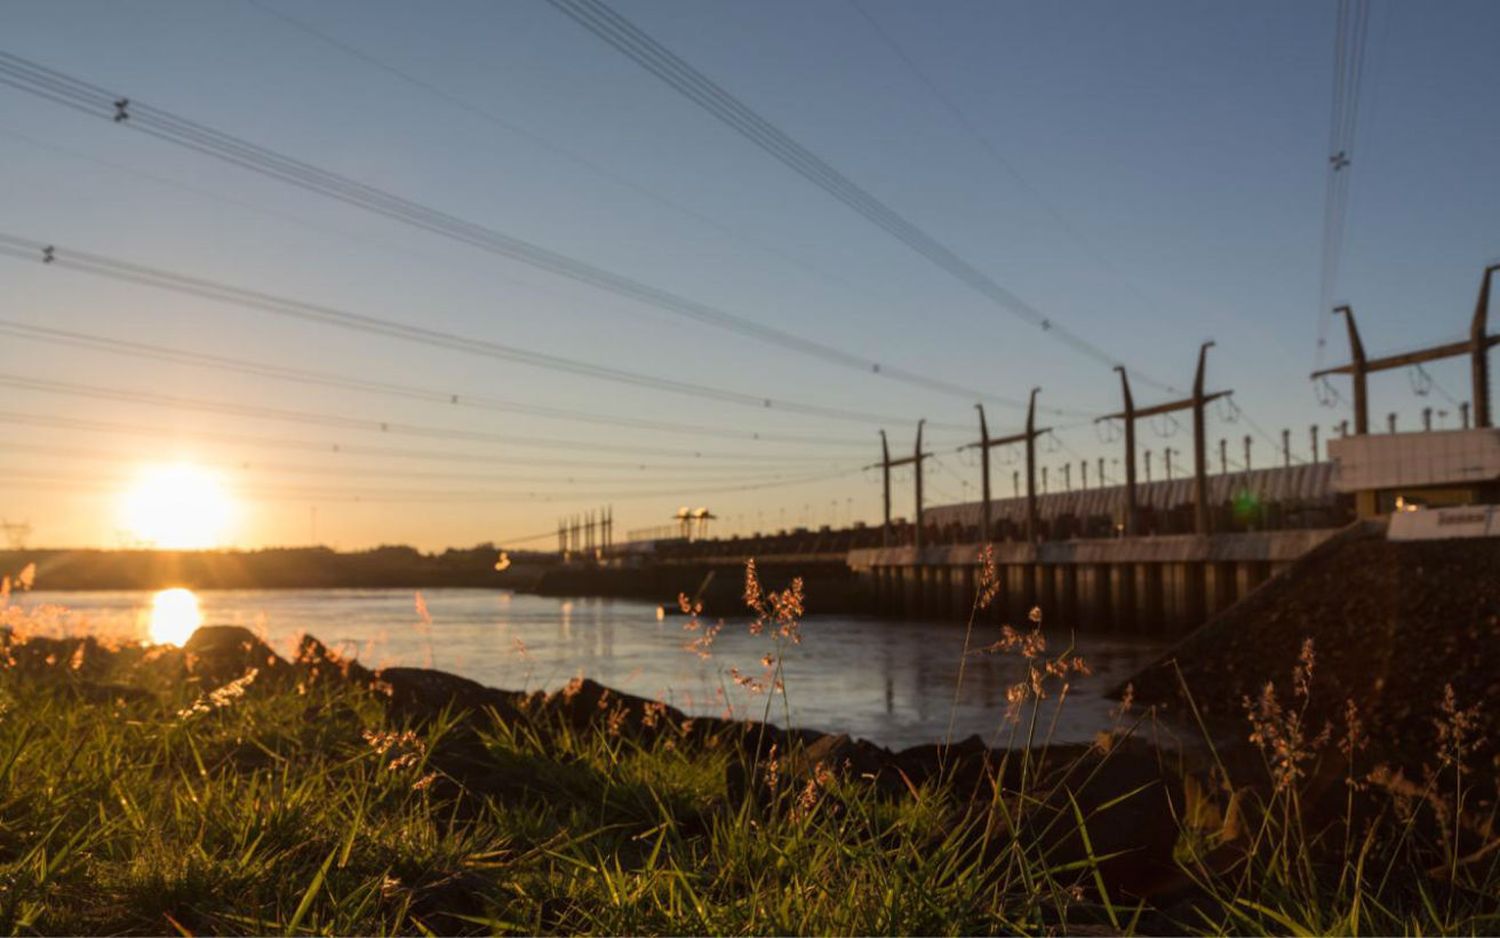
(174, 616)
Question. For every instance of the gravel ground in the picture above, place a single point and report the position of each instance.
(1391, 625)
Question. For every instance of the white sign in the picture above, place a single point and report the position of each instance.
(1440, 524)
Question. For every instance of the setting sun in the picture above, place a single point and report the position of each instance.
(178, 506)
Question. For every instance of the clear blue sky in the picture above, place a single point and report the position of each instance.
(1182, 145)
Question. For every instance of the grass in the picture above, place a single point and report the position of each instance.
(314, 806)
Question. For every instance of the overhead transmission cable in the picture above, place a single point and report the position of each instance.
(52, 479)
(102, 266)
(133, 349)
(998, 158)
(163, 435)
(1351, 30)
(87, 98)
(574, 156)
(13, 447)
(692, 84)
(260, 412)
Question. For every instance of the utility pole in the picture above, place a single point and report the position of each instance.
(1083, 470)
(1463, 414)
(1427, 419)
(1067, 477)
(1247, 452)
(1390, 421)
(1167, 456)
(887, 464)
(1476, 347)
(1027, 436)
(1148, 467)
(1044, 480)
(1223, 456)
(1312, 431)
(1286, 448)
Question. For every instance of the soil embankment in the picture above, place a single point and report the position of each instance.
(1392, 624)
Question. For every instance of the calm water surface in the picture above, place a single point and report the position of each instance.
(889, 681)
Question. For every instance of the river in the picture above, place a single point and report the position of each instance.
(886, 680)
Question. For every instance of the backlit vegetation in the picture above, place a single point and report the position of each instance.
(152, 790)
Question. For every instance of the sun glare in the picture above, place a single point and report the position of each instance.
(178, 506)
(174, 616)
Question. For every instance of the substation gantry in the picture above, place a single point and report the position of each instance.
(1477, 347)
(1197, 403)
(885, 465)
(986, 443)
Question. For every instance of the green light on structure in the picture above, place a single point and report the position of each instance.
(1245, 505)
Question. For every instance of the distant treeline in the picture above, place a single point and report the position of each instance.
(275, 568)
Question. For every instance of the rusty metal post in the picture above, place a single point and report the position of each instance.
(885, 478)
(1359, 373)
(1130, 512)
(1202, 523)
(984, 477)
(1032, 526)
(1479, 346)
(917, 472)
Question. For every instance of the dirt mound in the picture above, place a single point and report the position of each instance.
(1392, 623)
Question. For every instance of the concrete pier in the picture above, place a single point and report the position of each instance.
(1161, 585)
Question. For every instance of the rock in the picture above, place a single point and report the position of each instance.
(218, 654)
(422, 693)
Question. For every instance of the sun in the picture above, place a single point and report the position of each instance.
(178, 506)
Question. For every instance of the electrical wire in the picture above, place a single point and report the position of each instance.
(54, 480)
(175, 435)
(260, 412)
(133, 349)
(297, 469)
(1351, 31)
(573, 156)
(54, 255)
(631, 41)
(1006, 166)
(87, 98)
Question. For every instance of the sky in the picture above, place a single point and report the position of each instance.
(1148, 176)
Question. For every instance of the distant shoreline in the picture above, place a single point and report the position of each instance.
(388, 567)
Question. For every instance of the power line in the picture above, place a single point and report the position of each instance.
(1352, 27)
(260, 412)
(163, 434)
(243, 465)
(54, 255)
(52, 479)
(133, 349)
(87, 98)
(998, 158)
(567, 153)
(692, 84)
